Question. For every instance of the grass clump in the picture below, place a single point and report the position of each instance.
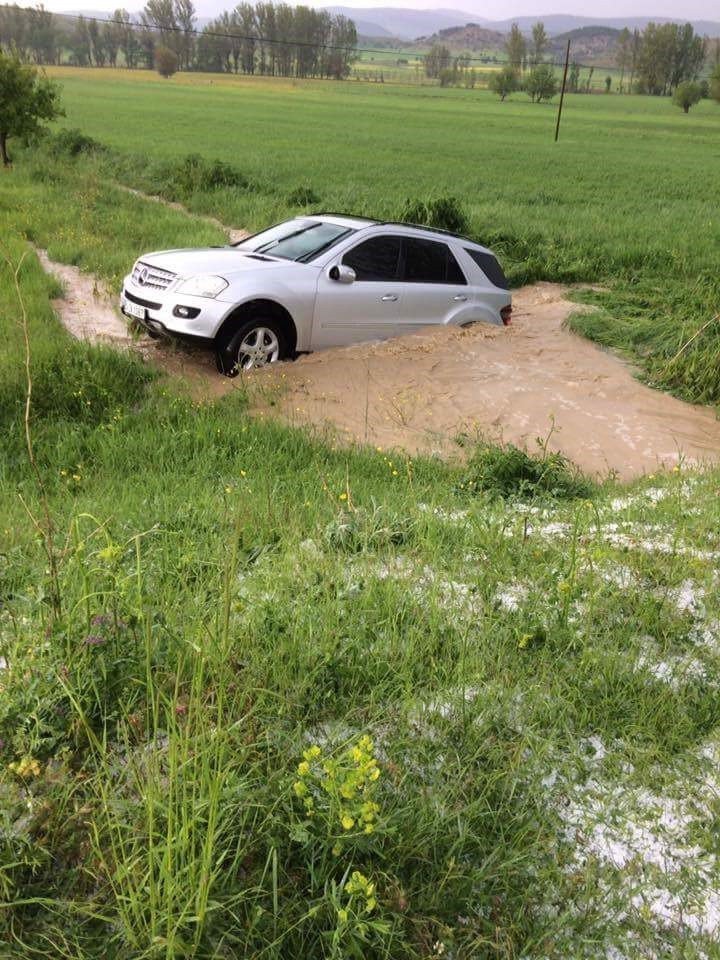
(508, 471)
(444, 213)
(193, 174)
(73, 143)
(302, 196)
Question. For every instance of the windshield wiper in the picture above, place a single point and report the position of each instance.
(274, 243)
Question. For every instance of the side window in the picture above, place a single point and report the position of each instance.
(427, 261)
(375, 259)
(454, 271)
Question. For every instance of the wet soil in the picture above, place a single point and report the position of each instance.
(421, 392)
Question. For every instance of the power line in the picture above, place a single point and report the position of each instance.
(134, 25)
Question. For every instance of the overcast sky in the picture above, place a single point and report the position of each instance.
(490, 9)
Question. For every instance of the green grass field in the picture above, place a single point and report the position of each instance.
(626, 198)
(265, 697)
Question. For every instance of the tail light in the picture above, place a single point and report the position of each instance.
(506, 315)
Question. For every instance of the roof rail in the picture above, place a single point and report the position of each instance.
(424, 226)
(346, 216)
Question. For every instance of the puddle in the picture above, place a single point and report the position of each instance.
(420, 392)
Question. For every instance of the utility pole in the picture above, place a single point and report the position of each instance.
(562, 91)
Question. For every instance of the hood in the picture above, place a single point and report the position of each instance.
(223, 261)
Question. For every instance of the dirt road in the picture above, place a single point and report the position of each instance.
(419, 392)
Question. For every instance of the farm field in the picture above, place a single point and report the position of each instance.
(621, 199)
(262, 695)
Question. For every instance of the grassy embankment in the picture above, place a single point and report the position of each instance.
(626, 199)
(230, 594)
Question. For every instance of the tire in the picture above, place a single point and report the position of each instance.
(254, 344)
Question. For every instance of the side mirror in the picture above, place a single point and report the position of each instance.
(342, 274)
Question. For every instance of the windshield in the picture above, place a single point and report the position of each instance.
(300, 240)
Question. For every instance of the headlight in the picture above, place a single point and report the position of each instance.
(204, 285)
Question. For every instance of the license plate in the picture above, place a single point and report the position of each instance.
(134, 309)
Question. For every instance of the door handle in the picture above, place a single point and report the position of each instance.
(389, 298)
(460, 298)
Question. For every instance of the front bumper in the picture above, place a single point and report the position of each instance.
(155, 311)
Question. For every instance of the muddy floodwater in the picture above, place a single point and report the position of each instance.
(420, 392)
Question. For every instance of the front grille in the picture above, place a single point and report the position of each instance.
(146, 275)
(143, 303)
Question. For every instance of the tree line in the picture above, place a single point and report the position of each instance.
(264, 38)
(662, 57)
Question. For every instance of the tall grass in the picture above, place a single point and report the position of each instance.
(235, 593)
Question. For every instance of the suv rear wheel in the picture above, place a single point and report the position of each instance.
(255, 343)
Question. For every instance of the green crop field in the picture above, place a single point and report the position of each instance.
(264, 696)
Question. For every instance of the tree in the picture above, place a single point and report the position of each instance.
(437, 60)
(127, 40)
(623, 56)
(503, 82)
(541, 83)
(574, 77)
(27, 99)
(516, 49)
(715, 84)
(669, 55)
(540, 42)
(166, 61)
(687, 95)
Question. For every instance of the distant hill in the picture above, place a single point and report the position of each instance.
(410, 24)
(405, 24)
(558, 23)
(588, 43)
(470, 37)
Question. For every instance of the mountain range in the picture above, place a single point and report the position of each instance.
(409, 24)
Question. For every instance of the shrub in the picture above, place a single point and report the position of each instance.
(166, 61)
(715, 83)
(195, 174)
(445, 213)
(687, 95)
(509, 471)
(74, 142)
(503, 82)
(540, 83)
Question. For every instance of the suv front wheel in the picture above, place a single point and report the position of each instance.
(254, 344)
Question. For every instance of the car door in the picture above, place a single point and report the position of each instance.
(434, 285)
(367, 308)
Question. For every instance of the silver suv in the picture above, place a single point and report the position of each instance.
(316, 281)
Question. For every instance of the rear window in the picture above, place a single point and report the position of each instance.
(490, 267)
(427, 261)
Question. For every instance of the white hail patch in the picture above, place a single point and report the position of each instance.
(511, 596)
(688, 599)
(448, 516)
(425, 582)
(647, 844)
